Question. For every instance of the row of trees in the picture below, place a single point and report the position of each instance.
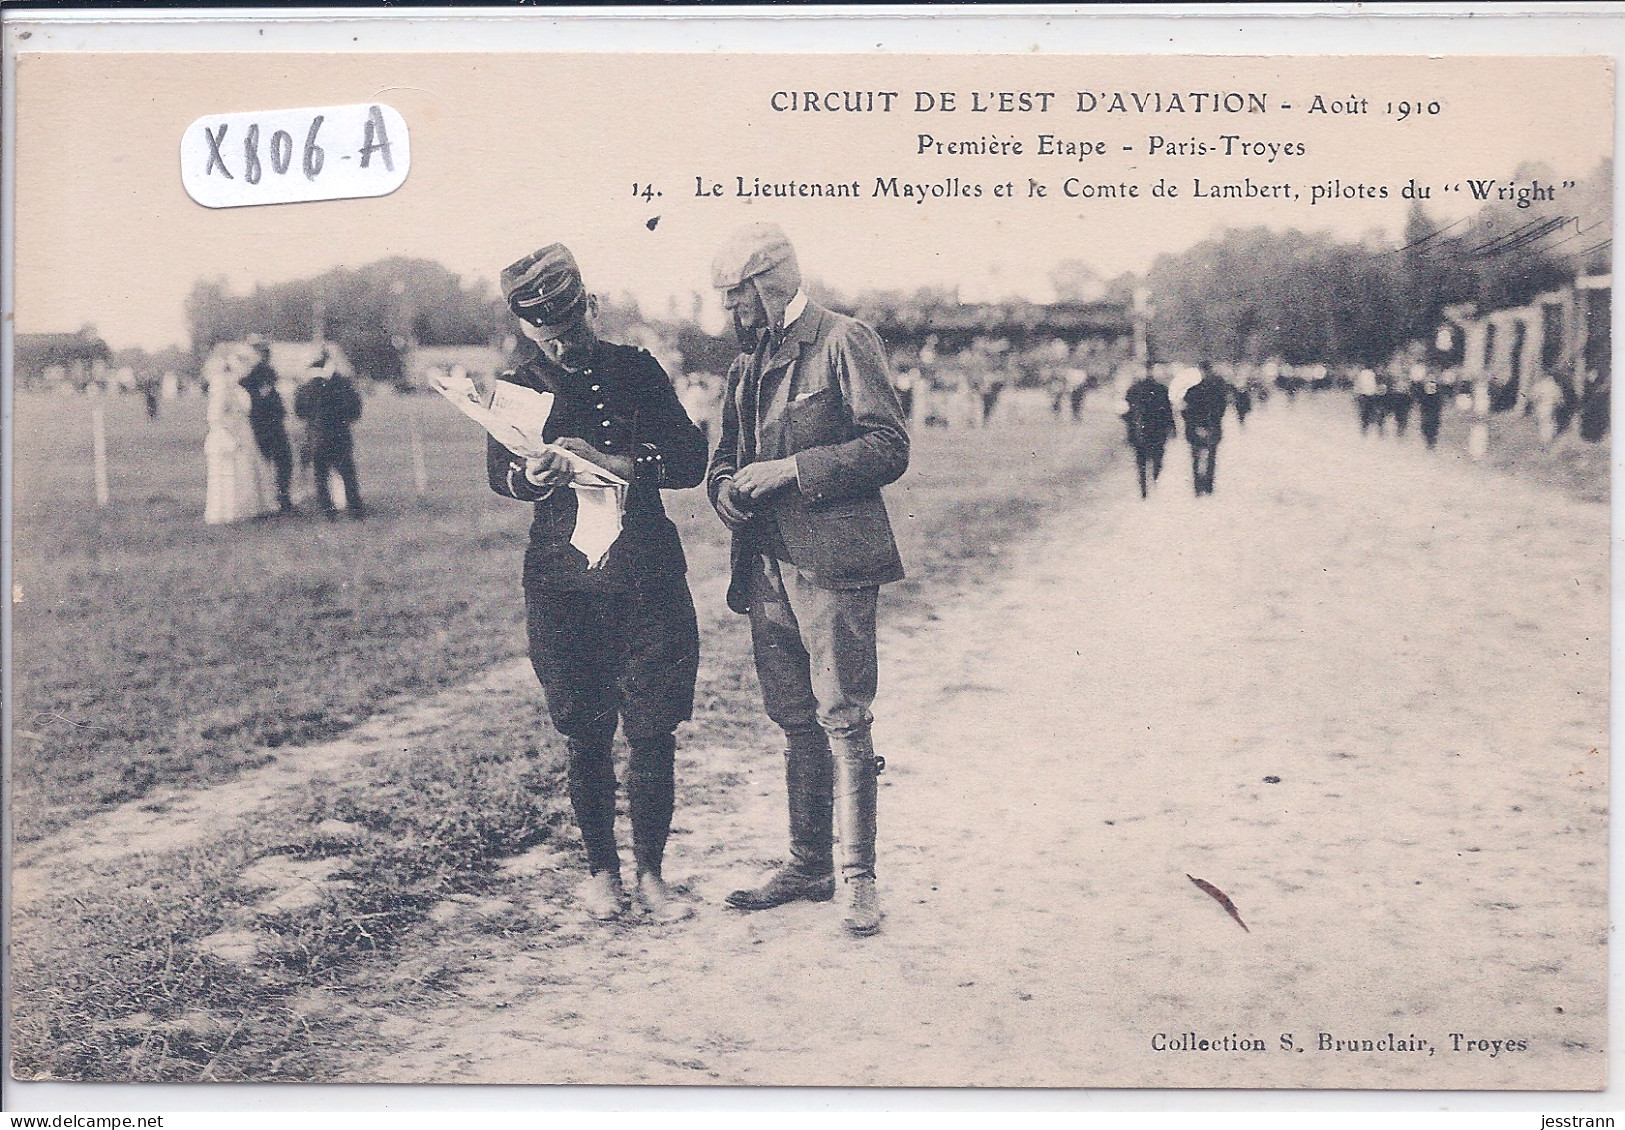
(1306, 297)
(374, 313)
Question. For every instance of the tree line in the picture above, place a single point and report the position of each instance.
(1304, 297)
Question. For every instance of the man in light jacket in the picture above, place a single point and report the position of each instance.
(811, 430)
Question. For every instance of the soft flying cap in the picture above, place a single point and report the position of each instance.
(753, 250)
(545, 289)
(760, 254)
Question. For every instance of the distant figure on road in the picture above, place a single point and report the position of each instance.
(330, 406)
(1429, 401)
(1366, 398)
(1150, 420)
(1399, 397)
(267, 418)
(1205, 402)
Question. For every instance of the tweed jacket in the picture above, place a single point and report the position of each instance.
(823, 395)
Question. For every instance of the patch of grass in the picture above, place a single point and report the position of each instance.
(1570, 464)
(123, 979)
(150, 648)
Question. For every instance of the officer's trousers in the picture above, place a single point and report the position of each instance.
(627, 658)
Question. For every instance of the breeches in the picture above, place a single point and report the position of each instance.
(815, 651)
(624, 657)
(606, 657)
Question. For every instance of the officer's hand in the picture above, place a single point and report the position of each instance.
(758, 480)
(547, 471)
(731, 508)
(615, 464)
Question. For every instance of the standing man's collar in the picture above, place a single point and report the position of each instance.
(793, 308)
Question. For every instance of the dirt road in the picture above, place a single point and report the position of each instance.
(1362, 690)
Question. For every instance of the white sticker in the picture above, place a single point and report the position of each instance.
(288, 156)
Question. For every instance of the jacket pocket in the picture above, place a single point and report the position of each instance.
(854, 538)
(815, 418)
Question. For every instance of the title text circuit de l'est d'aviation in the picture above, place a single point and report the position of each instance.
(1045, 101)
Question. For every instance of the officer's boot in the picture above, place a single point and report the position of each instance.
(855, 802)
(809, 785)
(649, 788)
(591, 776)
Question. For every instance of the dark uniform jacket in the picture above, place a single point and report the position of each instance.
(265, 408)
(623, 403)
(1150, 415)
(822, 394)
(1205, 402)
(329, 405)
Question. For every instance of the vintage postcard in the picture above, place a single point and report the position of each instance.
(1099, 577)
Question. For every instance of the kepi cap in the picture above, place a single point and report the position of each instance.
(544, 288)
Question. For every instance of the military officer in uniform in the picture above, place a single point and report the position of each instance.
(811, 430)
(612, 642)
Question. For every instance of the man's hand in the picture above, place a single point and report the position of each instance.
(758, 480)
(615, 464)
(731, 508)
(547, 471)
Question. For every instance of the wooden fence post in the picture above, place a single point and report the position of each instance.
(98, 440)
(420, 472)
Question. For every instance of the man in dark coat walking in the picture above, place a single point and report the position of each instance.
(1429, 394)
(1205, 403)
(1150, 421)
(267, 420)
(811, 431)
(330, 406)
(613, 642)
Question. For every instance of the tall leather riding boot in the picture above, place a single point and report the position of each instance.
(810, 785)
(591, 776)
(856, 793)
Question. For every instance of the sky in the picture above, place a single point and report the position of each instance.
(512, 151)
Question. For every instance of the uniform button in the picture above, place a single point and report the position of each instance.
(605, 424)
(600, 407)
(595, 388)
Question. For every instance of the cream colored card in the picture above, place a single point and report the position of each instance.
(1300, 785)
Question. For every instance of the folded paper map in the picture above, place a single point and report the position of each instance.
(515, 418)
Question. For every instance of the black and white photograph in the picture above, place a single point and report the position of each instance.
(814, 568)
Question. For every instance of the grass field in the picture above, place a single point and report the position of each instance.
(154, 651)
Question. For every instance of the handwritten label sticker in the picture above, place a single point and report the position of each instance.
(292, 156)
